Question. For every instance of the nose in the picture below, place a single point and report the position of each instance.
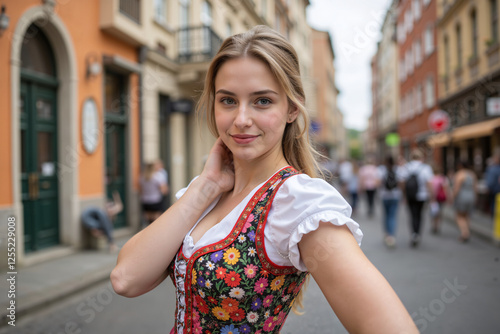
(243, 118)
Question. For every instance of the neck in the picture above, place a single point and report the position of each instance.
(247, 175)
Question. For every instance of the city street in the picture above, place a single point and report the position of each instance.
(448, 287)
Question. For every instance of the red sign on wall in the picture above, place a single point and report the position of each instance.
(439, 121)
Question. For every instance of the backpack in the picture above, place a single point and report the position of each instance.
(441, 194)
(411, 187)
(390, 180)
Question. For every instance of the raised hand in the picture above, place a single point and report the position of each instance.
(219, 167)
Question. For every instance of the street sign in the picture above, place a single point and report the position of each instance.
(439, 121)
(493, 106)
(392, 139)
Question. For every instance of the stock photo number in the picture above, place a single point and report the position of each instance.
(11, 273)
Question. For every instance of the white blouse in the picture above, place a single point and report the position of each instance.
(299, 205)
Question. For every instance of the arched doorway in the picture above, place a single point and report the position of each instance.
(38, 141)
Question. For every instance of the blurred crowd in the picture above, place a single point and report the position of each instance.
(414, 185)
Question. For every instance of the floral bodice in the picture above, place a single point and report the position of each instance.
(231, 286)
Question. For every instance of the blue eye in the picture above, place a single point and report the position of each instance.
(264, 101)
(227, 100)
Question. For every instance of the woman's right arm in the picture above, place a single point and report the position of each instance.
(143, 260)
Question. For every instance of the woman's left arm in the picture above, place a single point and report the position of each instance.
(359, 295)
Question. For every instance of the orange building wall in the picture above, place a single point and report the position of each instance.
(81, 19)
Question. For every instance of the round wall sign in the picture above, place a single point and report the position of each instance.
(439, 121)
(90, 125)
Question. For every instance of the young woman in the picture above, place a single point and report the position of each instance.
(464, 195)
(245, 234)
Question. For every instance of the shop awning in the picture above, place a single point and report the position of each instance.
(438, 140)
(481, 129)
(476, 130)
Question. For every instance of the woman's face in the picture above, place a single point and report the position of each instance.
(251, 109)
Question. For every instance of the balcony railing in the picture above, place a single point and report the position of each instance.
(197, 44)
(131, 9)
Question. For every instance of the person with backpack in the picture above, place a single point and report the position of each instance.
(440, 191)
(390, 193)
(417, 177)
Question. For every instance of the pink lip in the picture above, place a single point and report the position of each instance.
(243, 139)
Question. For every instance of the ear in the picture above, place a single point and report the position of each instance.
(293, 112)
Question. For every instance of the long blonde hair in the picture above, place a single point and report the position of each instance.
(278, 54)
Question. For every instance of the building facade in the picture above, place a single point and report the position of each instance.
(69, 122)
(417, 70)
(84, 109)
(386, 89)
(327, 119)
(469, 69)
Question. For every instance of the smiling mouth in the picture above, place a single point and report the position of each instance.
(244, 139)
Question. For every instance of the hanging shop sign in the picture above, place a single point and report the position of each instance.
(439, 121)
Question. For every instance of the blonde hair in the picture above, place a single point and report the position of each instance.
(149, 170)
(278, 54)
(268, 46)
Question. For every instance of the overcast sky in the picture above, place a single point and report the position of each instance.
(354, 26)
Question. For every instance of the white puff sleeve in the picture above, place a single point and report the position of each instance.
(298, 208)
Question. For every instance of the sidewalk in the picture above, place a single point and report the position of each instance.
(48, 282)
(481, 225)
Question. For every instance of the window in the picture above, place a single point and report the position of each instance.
(417, 13)
(401, 70)
(429, 92)
(446, 56)
(160, 7)
(458, 33)
(264, 8)
(473, 22)
(429, 40)
(206, 14)
(494, 20)
(418, 52)
(420, 105)
(401, 33)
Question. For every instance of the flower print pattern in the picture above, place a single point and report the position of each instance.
(251, 270)
(233, 287)
(251, 252)
(232, 279)
(261, 285)
(231, 256)
(216, 256)
(237, 293)
(277, 283)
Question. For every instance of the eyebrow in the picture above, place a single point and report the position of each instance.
(260, 92)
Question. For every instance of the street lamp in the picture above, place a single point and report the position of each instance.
(4, 20)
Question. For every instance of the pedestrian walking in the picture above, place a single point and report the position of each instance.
(492, 177)
(369, 180)
(390, 194)
(464, 195)
(152, 189)
(417, 177)
(245, 234)
(163, 176)
(352, 184)
(440, 194)
(345, 173)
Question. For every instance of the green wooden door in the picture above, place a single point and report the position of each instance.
(116, 121)
(38, 126)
